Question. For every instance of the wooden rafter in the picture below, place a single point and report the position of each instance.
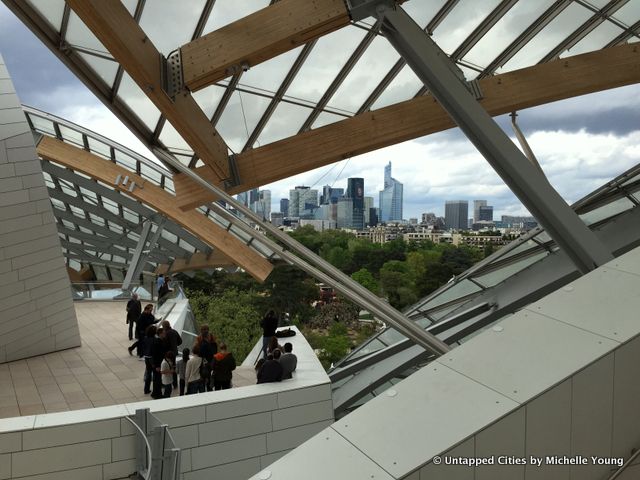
(110, 21)
(146, 192)
(198, 261)
(260, 36)
(528, 87)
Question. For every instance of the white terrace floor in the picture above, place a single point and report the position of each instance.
(99, 373)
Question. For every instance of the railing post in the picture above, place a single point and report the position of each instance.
(157, 440)
(140, 419)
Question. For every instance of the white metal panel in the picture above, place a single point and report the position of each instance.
(600, 286)
(529, 353)
(548, 432)
(629, 262)
(326, 456)
(626, 399)
(592, 417)
(452, 472)
(412, 415)
(503, 442)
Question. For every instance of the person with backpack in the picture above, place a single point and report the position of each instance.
(223, 366)
(195, 383)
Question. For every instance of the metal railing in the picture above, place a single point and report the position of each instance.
(105, 290)
(157, 456)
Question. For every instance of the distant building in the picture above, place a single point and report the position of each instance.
(456, 214)
(368, 205)
(284, 206)
(391, 198)
(302, 201)
(485, 214)
(522, 223)
(262, 206)
(355, 191)
(330, 194)
(319, 225)
(476, 209)
(277, 219)
(243, 198)
(345, 212)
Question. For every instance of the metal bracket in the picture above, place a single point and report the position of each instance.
(360, 9)
(474, 88)
(171, 74)
(233, 171)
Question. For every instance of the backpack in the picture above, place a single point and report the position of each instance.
(205, 370)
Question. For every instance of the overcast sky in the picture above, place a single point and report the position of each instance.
(580, 143)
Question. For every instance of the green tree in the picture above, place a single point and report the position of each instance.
(288, 289)
(397, 284)
(366, 279)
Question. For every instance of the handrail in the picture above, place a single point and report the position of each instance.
(149, 455)
(624, 466)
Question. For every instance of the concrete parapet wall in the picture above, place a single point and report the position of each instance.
(36, 310)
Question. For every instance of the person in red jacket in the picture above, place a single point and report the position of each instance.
(223, 365)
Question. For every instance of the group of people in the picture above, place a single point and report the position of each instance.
(207, 367)
(278, 362)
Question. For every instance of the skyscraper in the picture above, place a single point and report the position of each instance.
(302, 200)
(485, 214)
(476, 209)
(263, 204)
(390, 198)
(455, 214)
(355, 191)
(284, 206)
(368, 205)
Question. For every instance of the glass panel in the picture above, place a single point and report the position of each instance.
(125, 160)
(79, 35)
(173, 140)
(423, 12)
(170, 24)
(440, 314)
(100, 148)
(326, 118)
(71, 136)
(51, 10)
(629, 14)
(632, 180)
(240, 118)
(269, 75)
(285, 122)
(169, 236)
(150, 174)
(402, 88)
(106, 69)
(138, 102)
(208, 99)
(365, 76)
(168, 185)
(227, 11)
(519, 249)
(597, 39)
(512, 24)
(324, 62)
(550, 36)
(461, 289)
(462, 20)
(609, 210)
(497, 276)
(42, 125)
(391, 336)
(367, 349)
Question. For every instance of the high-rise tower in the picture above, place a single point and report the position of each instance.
(391, 197)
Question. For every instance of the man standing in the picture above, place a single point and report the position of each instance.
(269, 325)
(134, 309)
(288, 361)
(158, 351)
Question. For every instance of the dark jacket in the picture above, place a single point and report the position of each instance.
(208, 347)
(134, 309)
(289, 362)
(158, 350)
(269, 325)
(145, 320)
(173, 340)
(223, 365)
(271, 371)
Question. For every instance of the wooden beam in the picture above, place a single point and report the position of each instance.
(198, 261)
(525, 88)
(260, 36)
(110, 21)
(146, 192)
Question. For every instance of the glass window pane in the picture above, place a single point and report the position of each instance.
(461, 289)
(241, 116)
(170, 25)
(71, 136)
(51, 10)
(595, 40)
(609, 210)
(501, 274)
(138, 102)
(285, 122)
(227, 11)
(402, 88)
(555, 32)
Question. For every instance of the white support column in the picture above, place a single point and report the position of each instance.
(141, 253)
(438, 73)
